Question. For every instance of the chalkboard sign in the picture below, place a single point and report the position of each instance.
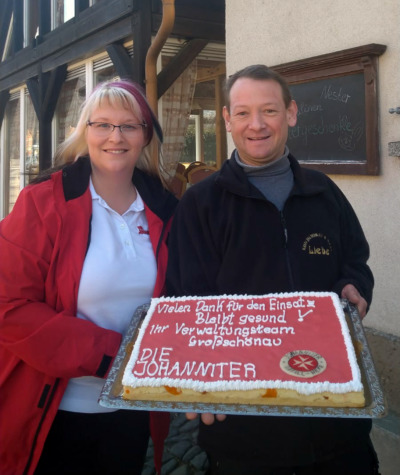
(331, 123)
(338, 121)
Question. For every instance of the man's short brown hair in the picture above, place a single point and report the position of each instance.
(258, 72)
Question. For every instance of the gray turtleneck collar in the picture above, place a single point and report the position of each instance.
(274, 180)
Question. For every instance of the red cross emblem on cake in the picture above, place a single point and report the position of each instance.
(303, 363)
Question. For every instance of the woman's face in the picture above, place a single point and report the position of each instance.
(113, 151)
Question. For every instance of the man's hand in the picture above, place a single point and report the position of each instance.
(350, 293)
(207, 418)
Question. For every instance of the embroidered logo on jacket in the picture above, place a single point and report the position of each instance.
(317, 244)
(142, 230)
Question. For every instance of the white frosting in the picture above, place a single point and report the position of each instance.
(306, 387)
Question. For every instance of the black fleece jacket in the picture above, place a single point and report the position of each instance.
(226, 238)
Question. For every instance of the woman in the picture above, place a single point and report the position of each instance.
(81, 250)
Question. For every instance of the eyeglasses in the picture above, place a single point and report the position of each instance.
(103, 129)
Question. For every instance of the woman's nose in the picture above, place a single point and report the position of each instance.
(116, 134)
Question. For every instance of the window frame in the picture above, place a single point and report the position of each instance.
(364, 60)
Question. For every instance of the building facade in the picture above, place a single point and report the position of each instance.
(54, 52)
(304, 39)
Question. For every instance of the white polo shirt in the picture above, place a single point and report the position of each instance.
(118, 275)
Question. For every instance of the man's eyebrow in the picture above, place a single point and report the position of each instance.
(266, 104)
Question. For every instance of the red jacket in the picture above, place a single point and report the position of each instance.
(43, 243)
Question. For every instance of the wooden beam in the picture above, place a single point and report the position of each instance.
(96, 27)
(45, 151)
(121, 60)
(89, 45)
(204, 10)
(141, 31)
(52, 92)
(34, 93)
(44, 19)
(4, 97)
(193, 28)
(80, 6)
(17, 77)
(22, 67)
(44, 91)
(102, 24)
(210, 74)
(178, 64)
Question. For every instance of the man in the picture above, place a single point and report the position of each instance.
(250, 229)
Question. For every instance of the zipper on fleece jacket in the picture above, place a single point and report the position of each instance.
(285, 245)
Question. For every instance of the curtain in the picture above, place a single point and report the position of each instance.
(68, 106)
(176, 107)
(12, 154)
(31, 141)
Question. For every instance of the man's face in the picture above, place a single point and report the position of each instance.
(259, 120)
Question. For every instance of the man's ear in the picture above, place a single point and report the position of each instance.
(227, 118)
(291, 114)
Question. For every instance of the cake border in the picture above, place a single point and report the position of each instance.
(111, 394)
(301, 387)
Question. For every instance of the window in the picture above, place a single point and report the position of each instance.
(205, 139)
(102, 72)
(200, 138)
(71, 98)
(21, 146)
(74, 91)
(62, 11)
(20, 127)
(31, 21)
(7, 46)
(31, 142)
(204, 133)
(12, 152)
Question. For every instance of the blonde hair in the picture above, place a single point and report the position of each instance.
(128, 95)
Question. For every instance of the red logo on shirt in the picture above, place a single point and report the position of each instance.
(143, 231)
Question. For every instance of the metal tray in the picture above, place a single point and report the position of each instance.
(375, 402)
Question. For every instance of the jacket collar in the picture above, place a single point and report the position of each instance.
(75, 179)
(156, 197)
(307, 182)
(233, 178)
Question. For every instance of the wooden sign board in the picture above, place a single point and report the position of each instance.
(337, 122)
